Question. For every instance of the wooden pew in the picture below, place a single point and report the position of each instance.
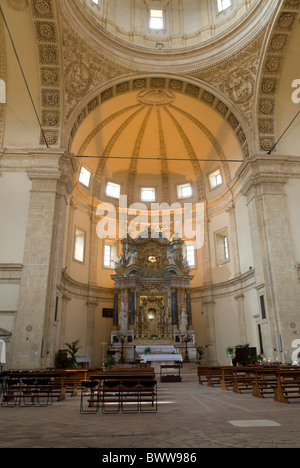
(213, 375)
(288, 385)
(62, 382)
(265, 382)
(227, 379)
(134, 388)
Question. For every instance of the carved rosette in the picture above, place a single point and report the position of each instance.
(44, 16)
(266, 106)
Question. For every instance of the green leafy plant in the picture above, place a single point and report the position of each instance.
(200, 351)
(255, 359)
(73, 349)
(147, 351)
(230, 351)
(154, 337)
(110, 361)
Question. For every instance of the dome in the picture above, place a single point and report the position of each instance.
(208, 31)
(159, 134)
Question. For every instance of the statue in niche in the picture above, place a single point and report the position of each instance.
(133, 258)
(123, 321)
(183, 322)
(171, 258)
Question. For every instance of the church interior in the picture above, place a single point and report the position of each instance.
(149, 203)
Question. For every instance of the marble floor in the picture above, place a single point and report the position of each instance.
(189, 416)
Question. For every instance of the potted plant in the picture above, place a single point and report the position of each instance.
(147, 351)
(201, 351)
(73, 349)
(257, 359)
(230, 351)
(110, 361)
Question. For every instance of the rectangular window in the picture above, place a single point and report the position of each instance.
(113, 190)
(107, 255)
(85, 177)
(222, 249)
(224, 4)
(148, 194)
(110, 254)
(79, 245)
(156, 19)
(184, 191)
(215, 179)
(190, 255)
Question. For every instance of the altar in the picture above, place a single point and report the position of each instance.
(163, 358)
(152, 303)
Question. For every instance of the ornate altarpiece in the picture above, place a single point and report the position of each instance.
(152, 305)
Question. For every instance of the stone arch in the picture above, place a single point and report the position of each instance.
(271, 69)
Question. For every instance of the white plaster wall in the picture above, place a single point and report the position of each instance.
(9, 294)
(14, 204)
(7, 320)
(76, 328)
(227, 327)
(76, 323)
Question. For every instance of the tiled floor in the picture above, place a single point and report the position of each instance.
(189, 416)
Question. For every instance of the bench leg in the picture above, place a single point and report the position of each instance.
(279, 396)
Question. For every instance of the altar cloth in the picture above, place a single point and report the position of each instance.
(2, 352)
(163, 357)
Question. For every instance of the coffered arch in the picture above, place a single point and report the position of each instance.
(278, 39)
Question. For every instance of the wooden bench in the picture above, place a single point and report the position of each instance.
(213, 375)
(265, 382)
(126, 392)
(288, 385)
(169, 377)
(62, 382)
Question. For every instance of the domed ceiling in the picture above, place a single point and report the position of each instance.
(146, 133)
(120, 28)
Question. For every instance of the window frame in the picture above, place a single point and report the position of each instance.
(147, 188)
(150, 18)
(222, 260)
(83, 231)
(187, 245)
(109, 182)
(114, 249)
(83, 167)
(211, 174)
(180, 186)
(223, 9)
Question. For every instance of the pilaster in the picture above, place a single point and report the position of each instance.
(35, 335)
(275, 267)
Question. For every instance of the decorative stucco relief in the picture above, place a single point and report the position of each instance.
(236, 77)
(47, 37)
(274, 60)
(83, 69)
